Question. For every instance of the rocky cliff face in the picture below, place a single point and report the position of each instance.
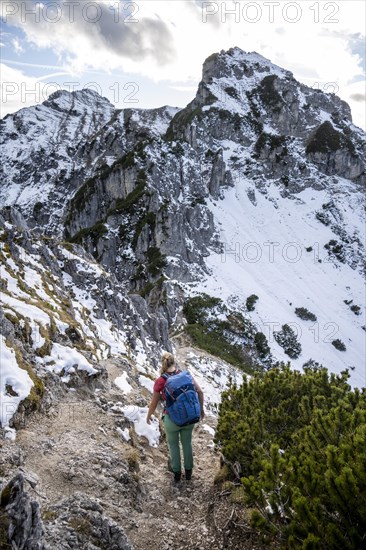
(136, 189)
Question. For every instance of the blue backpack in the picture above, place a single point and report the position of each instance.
(182, 404)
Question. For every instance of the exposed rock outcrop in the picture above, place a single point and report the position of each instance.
(25, 528)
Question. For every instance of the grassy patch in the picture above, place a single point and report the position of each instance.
(95, 233)
(12, 318)
(133, 459)
(222, 475)
(216, 343)
(81, 526)
(213, 328)
(49, 515)
(34, 399)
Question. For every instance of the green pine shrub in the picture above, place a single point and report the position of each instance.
(269, 94)
(305, 314)
(232, 92)
(261, 344)
(339, 345)
(298, 443)
(156, 260)
(336, 249)
(355, 308)
(196, 309)
(250, 302)
(287, 339)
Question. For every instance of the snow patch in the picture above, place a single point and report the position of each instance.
(125, 434)
(15, 385)
(137, 415)
(122, 384)
(68, 360)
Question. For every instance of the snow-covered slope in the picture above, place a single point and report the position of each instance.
(275, 249)
(255, 188)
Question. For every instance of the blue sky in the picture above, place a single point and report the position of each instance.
(150, 53)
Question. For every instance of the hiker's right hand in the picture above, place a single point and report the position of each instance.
(148, 420)
(202, 415)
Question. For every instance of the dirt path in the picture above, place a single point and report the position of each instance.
(76, 447)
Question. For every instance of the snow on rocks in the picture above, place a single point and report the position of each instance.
(64, 359)
(146, 382)
(125, 434)
(15, 385)
(122, 383)
(137, 415)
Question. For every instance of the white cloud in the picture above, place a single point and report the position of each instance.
(103, 44)
(19, 90)
(169, 40)
(18, 48)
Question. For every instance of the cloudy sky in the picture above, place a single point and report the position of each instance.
(149, 53)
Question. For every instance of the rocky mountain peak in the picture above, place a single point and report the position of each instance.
(238, 64)
(137, 188)
(77, 100)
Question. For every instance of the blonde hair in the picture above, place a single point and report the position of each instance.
(167, 361)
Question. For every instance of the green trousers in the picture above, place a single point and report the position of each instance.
(173, 433)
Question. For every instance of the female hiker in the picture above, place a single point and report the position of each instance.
(173, 431)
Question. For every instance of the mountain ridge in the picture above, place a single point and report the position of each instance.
(139, 189)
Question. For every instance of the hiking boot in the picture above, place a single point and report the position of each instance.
(188, 475)
(177, 476)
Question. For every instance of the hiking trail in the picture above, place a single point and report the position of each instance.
(75, 447)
